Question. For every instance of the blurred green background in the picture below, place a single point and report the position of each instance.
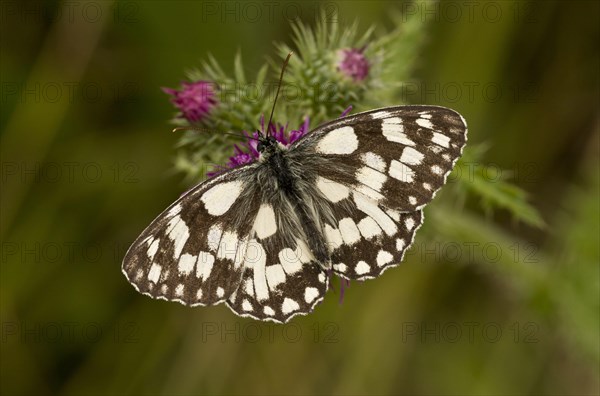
(483, 305)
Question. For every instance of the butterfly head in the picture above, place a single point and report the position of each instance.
(266, 142)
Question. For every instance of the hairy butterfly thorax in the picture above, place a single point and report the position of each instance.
(274, 156)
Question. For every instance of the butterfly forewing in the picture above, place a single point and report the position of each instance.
(280, 280)
(399, 156)
(192, 252)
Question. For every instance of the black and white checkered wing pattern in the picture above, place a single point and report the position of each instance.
(398, 156)
(346, 197)
(193, 252)
(377, 170)
(222, 241)
(369, 239)
(281, 280)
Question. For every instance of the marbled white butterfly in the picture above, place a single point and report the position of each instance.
(265, 237)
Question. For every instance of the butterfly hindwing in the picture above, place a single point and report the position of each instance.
(369, 239)
(280, 281)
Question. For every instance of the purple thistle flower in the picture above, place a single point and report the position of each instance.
(194, 100)
(247, 152)
(353, 63)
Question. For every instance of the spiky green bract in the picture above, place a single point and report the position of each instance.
(240, 103)
(314, 84)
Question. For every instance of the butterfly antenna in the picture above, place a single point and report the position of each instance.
(193, 128)
(285, 63)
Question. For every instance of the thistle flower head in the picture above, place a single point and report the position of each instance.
(195, 99)
(353, 63)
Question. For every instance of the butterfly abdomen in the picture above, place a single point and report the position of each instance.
(281, 170)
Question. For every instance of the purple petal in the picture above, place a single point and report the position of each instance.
(347, 111)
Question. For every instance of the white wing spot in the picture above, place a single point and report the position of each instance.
(186, 264)
(369, 228)
(412, 200)
(179, 290)
(164, 289)
(342, 140)
(369, 192)
(401, 172)
(384, 258)
(371, 209)
(174, 210)
(409, 223)
(436, 149)
(440, 140)
(275, 276)
(427, 186)
(334, 237)
(214, 237)
(333, 191)
(199, 294)
(380, 114)
(246, 306)
(219, 198)
(265, 224)
(410, 156)
(425, 123)
(204, 265)
(349, 231)
(341, 267)
(268, 311)
(322, 278)
(154, 273)
(394, 132)
(425, 115)
(310, 293)
(362, 268)
(179, 233)
(400, 244)
(394, 214)
(260, 277)
(289, 305)
(437, 170)
(374, 161)
(370, 177)
(153, 249)
(249, 287)
(303, 252)
(220, 292)
(228, 246)
(241, 252)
